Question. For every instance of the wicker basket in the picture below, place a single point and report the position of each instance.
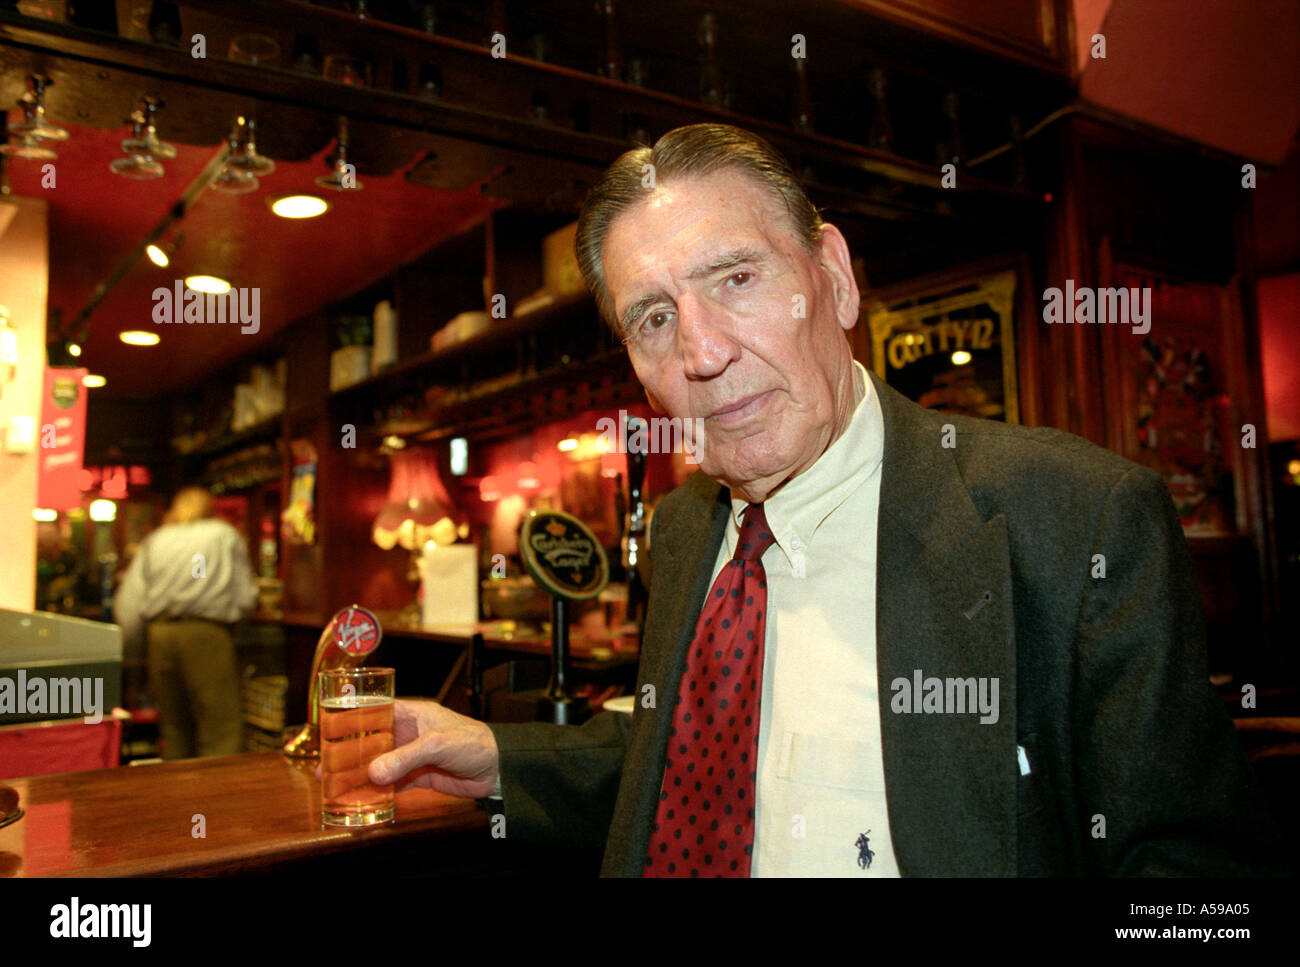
(264, 702)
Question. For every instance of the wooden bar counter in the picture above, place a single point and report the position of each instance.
(260, 814)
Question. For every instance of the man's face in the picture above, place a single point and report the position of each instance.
(735, 324)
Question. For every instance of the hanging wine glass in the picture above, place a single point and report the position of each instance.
(144, 134)
(141, 167)
(231, 181)
(27, 147)
(138, 163)
(239, 175)
(243, 150)
(343, 177)
(34, 123)
(142, 147)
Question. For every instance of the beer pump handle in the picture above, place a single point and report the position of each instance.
(634, 542)
(564, 558)
(349, 637)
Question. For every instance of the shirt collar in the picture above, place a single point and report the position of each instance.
(796, 510)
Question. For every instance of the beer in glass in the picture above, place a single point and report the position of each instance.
(356, 726)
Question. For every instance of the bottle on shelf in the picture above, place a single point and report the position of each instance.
(267, 552)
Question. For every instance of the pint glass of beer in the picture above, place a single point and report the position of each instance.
(356, 726)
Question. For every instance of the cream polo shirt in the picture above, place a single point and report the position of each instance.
(821, 778)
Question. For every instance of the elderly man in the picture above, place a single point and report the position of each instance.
(877, 641)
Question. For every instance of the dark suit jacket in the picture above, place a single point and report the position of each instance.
(986, 556)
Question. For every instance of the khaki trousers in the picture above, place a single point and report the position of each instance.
(196, 686)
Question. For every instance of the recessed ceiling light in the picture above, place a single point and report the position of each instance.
(298, 206)
(91, 381)
(207, 283)
(74, 349)
(138, 337)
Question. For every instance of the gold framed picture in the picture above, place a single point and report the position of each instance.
(948, 342)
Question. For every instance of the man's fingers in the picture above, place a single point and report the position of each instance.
(392, 766)
(421, 777)
(442, 748)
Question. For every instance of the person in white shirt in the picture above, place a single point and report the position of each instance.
(189, 582)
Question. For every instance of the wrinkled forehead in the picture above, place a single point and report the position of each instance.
(683, 221)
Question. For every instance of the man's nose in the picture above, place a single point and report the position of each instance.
(705, 337)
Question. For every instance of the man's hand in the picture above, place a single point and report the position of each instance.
(438, 749)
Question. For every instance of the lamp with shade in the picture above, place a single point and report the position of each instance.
(421, 517)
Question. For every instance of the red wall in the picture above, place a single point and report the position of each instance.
(1279, 335)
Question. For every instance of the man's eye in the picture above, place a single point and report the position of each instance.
(738, 279)
(655, 321)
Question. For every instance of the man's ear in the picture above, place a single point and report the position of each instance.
(839, 267)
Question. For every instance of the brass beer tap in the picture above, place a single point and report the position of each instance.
(350, 636)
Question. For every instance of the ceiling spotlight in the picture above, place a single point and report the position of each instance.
(160, 253)
(138, 337)
(60, 352)
(298, 206)
(207, 283)
(91, 381)
(343, 177)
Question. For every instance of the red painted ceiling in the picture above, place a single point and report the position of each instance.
(1225, 73)
(97, 218)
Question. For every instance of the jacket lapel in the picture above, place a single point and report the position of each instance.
(944, 609)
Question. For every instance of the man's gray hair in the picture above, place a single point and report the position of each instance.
(696, 150)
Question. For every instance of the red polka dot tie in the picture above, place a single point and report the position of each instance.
(705, 822)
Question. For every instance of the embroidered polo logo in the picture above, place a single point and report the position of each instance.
(865, 854)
